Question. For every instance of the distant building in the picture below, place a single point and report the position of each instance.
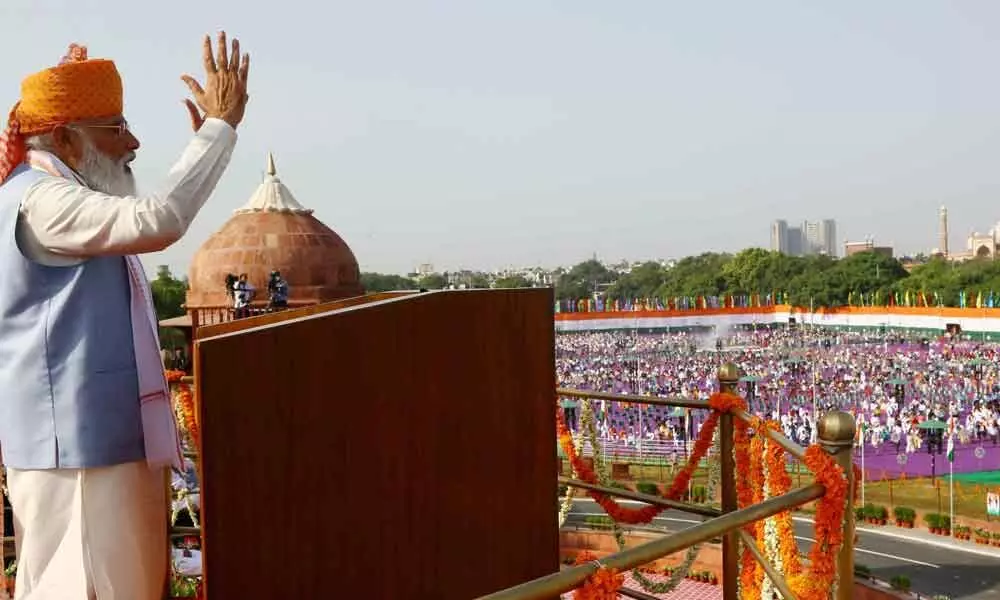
(868, 245)
(977, 245)
(796, 245)
(829, 239)
(812, 237)
(779, 236)
(943, 231)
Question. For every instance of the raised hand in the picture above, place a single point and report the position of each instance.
(225, 93)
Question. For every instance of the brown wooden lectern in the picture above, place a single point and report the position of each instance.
(392, 449)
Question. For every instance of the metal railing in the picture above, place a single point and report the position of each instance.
(836, 436)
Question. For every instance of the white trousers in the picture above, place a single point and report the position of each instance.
(90, 534)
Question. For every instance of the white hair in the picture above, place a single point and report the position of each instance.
(100, 172)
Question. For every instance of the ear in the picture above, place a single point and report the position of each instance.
(68, 145)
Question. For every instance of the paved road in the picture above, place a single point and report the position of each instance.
(959, 574)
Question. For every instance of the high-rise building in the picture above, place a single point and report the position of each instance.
(943, 232)
(812, 237)
(828, 228)
(796, 239)
(779, 236)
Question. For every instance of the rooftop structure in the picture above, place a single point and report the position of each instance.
(273, 231)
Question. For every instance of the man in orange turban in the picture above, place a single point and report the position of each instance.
(86, 424)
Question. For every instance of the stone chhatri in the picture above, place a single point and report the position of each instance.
(273, 231)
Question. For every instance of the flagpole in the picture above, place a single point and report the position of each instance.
(864, 424)
(951, 496)
(951, 474)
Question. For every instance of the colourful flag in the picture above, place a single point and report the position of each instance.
(951, 439)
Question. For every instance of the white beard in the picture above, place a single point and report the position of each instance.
(104, 174)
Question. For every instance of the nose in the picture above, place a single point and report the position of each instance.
(131, 142)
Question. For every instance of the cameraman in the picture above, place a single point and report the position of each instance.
(277, 289)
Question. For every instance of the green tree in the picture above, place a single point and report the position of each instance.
(695, 276)
(866, 273)
(583, 280)
(169, 294)
(808, 280)
(379, 282)
(975, 277)
(433, 281)
(641, 282)
(479, 281)
(512, 281)
(758, 271)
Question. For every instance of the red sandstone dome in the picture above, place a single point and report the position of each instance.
(274, 232)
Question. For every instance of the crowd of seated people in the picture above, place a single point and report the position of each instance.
(891, 381)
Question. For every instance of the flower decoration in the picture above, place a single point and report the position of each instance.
(602, 585)
(762, 461)
(174, 376)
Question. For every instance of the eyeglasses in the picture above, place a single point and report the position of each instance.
(121, 128)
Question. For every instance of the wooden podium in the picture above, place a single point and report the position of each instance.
(395, 447)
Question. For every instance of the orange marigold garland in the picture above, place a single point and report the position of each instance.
(747, 493)
(751, 456)
(173, 376)
(779, 484)
(816, 583)
(645, 514)
(602, 585)
(725, 402)
(752, 574)
(184, 398)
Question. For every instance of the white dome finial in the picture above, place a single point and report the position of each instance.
(273, 196)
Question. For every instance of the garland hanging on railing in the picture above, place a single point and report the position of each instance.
(779, 483)
(816, 582)
(681, 571)
(754, 455)
(748, 454)
(602, 585)
(588, 426)
(566, 504)
(636, 516)
(185, 411)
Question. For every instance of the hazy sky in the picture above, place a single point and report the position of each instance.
(483, 134)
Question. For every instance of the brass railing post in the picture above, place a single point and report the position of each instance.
(836, 434)
(729, 375)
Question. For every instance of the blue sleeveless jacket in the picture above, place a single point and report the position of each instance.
(69, 390)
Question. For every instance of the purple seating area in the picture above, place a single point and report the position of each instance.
(892, 381)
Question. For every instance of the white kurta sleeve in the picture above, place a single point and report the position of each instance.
(62, 217)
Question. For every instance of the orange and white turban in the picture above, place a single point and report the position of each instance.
(77, 89)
